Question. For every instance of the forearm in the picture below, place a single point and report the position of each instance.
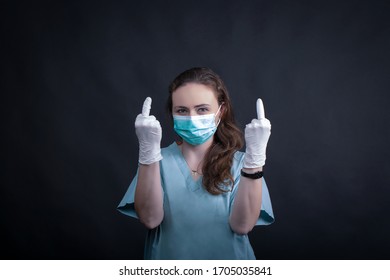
(247, 203)
(148, 200)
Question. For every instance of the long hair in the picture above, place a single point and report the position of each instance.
(227, 139)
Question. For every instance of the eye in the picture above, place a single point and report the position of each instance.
(203, 110)
(181, 111)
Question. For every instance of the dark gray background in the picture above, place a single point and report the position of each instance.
(75, 74)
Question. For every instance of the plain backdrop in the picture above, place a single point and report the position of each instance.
(74, 75)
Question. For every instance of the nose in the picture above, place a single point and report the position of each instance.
(193, 113)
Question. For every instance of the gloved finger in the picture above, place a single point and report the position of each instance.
(260, 109)
(151, 118)
(146, 107)
(142, 121)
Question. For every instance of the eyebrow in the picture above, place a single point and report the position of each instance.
(196, 106)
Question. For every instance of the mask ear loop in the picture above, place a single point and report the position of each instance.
(220, 106)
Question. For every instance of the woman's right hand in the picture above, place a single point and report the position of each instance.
(149, 134)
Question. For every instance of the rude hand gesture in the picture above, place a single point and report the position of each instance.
(149, 134)
(257, 134)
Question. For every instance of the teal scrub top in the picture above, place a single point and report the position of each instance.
(196, 223)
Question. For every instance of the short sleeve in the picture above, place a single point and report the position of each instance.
(266, 214)
(126, 206)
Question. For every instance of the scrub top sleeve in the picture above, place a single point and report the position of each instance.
(266, 213)
(126, 206)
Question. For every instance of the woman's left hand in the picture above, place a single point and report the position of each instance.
(257, 134)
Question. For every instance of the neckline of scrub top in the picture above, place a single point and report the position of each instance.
(191, 183)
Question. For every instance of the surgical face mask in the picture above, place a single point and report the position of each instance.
(195, 130)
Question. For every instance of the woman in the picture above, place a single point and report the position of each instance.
(199, 197)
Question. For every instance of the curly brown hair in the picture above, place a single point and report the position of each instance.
(227, 139)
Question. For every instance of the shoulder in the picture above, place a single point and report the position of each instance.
(170, 150)
(238, 158)
(170, 147)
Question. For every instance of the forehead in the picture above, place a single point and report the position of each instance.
(192, 94)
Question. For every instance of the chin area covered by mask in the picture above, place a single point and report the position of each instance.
(195, 130)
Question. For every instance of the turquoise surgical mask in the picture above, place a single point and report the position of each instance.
(195, 130)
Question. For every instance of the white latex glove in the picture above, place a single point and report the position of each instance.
(257, 134)
(149, 134)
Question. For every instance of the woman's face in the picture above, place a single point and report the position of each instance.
(194, 99)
